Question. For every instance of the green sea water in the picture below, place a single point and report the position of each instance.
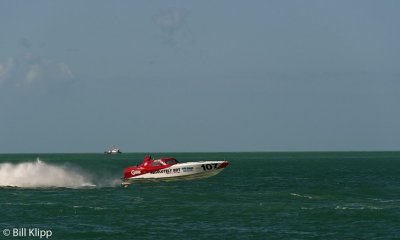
(342, 195)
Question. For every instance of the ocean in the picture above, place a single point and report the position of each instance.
(307, 195)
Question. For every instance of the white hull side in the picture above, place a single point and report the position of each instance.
(189, 170)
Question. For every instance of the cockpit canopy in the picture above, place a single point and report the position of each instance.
(148, 161)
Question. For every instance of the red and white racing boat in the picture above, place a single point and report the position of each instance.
(166, 169)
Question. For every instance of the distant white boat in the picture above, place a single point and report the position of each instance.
(113, 150)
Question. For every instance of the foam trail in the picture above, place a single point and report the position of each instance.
(40, 174)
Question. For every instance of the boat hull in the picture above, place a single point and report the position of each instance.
(180, 171)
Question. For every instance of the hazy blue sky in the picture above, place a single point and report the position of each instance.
(81, 76)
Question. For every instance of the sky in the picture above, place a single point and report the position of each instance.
(165, 76)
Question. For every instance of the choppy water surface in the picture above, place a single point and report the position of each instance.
(259, 196)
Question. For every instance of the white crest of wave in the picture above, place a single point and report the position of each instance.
(40, 174)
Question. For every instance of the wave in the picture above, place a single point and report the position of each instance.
(39, 174)
(360, 207)
(385, 200)
(302, 196)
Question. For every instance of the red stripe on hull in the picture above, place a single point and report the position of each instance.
(223, 165)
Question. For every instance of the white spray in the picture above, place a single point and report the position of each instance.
(40, 174)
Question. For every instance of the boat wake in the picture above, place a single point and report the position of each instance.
(39, 174)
